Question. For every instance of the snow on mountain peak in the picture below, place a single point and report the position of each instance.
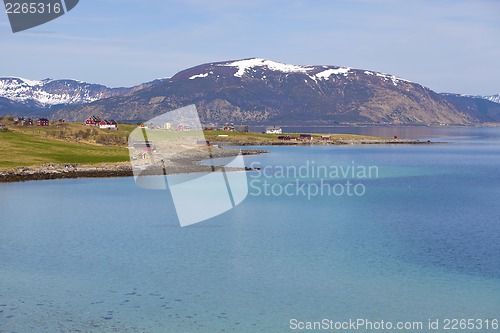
(48, 92)
(19, 81)
(199, 75)
(395, 80)
(244, 65)
(31, 83)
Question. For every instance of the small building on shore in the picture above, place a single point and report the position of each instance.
(274, 130)
(306, 137)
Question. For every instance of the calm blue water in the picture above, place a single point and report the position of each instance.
(101, 255)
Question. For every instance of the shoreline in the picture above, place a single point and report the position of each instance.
(65, 171)
(53, 171)
(321, 143)
(186, 164)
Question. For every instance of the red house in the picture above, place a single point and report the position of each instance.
(92, 121)
(42, 122)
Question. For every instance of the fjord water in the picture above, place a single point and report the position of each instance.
(102, 255)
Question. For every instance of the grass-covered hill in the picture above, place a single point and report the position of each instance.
(61, 143)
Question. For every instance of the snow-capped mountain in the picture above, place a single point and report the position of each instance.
(253, 66)
(260, 91)
(49, 92)
(493, 98)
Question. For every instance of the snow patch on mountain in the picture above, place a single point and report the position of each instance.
(198, 76)
(313, 77)
(49, 92)
(493, 98)
(324, 75)
(246, 64)
(30, 83)
(395, 80)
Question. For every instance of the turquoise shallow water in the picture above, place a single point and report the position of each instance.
(101, 255)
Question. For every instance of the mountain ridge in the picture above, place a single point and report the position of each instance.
(260, 91)
(47, 93)
(492, 98)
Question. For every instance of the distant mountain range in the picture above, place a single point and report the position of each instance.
(255, 91)
(28, 96)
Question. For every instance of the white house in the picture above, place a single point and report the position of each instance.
(274, 130)
(108, 124)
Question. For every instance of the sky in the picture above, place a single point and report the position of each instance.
(446, 45)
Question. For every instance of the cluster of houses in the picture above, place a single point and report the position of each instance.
(26, 121)
(181, 126)
(186, 125)
(91, 121)
(228, 127)
(301, 137)
(101, 123)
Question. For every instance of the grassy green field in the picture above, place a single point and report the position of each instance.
(77, 143)
(32, 145)
(263, 137)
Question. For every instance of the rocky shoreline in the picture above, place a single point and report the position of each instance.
(188, 164)
(316, 142)
(65, 171)
(182, 164)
